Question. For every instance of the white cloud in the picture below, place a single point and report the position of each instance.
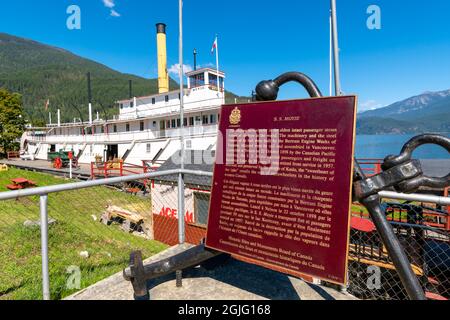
(110, 4)
(114, 13)
(175, 69)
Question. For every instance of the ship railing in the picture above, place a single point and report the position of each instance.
(370, 166)
(117, 168)
(149, 110)
(127, 136)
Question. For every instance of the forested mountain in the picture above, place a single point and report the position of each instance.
(40, 72)
(428, 112)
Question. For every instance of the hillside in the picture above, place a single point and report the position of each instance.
(40, 72)
(428, 112)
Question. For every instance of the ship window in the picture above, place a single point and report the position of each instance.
(213, 80)
(168, 124)
(115, 128)
(132, 104)
(149, 147)
(94, 130)
(127, 127)
(191, 121)
(205, 119)
(102, 129)
(185, 122)
(197, 80)
(141, 126)
(213, 119)
(201, 208)
(121, 106)
(188, 144)
(174, 123)
(154, 124)
(153, 100)
(178, 123)
(167, 98)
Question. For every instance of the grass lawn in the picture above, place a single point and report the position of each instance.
(77, 229)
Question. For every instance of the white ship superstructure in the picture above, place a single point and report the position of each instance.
(146, 128)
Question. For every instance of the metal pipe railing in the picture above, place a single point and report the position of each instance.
(443, 201)
(95, 183)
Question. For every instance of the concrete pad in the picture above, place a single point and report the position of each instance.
(235, 280)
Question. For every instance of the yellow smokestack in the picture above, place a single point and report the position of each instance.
(163, 75)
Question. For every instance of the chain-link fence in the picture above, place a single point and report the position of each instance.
(92, 230)
(423, 231)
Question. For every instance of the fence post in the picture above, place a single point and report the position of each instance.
(181, 222)
(43, 204)
(447, 222)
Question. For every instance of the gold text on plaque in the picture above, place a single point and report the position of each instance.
(235, 117)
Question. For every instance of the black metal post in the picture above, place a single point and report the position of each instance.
(391, 242)
(130, 88)
(195, 59)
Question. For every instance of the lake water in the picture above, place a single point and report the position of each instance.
(380, 146)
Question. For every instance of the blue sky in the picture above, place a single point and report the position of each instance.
(258, 40)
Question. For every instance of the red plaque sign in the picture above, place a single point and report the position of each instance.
(282, 185)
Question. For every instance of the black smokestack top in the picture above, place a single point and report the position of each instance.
(161, 28)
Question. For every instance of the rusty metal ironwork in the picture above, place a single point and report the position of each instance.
(404, 175)
(139, 274)
(400, 173)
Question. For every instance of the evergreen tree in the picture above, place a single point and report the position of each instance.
(12, 122)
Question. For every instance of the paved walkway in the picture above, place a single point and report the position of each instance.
(82, 173)
(234, 281)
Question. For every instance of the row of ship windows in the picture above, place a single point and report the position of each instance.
(166, 99)
(192, 121)
(169, 124)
